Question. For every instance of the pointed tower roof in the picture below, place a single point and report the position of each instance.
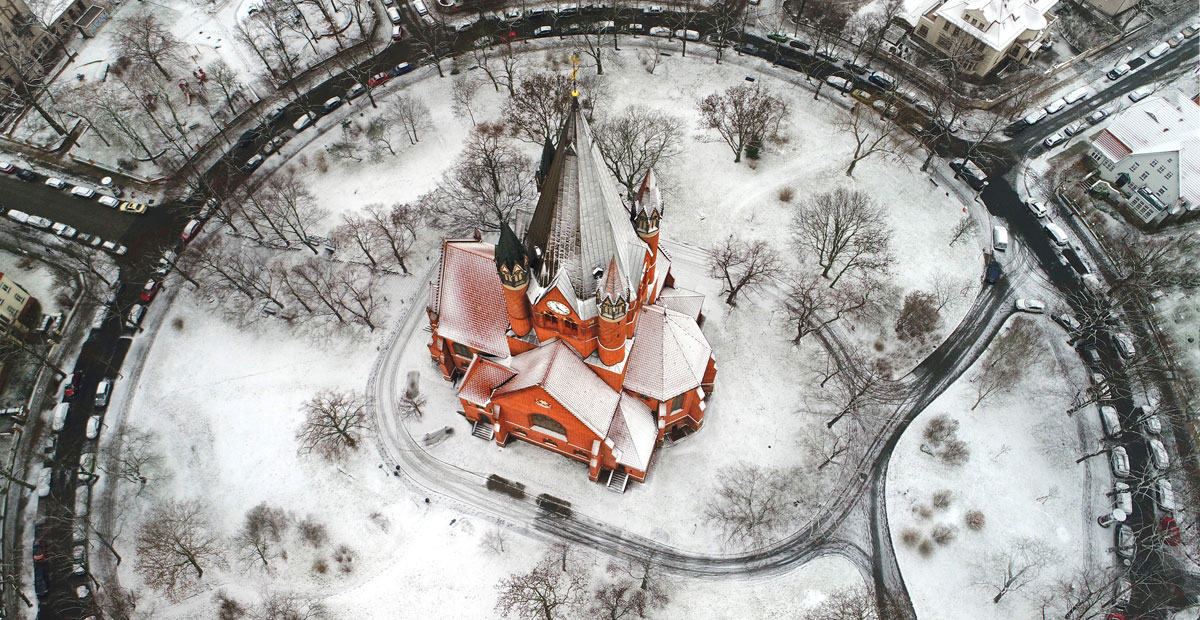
(509, 251)
(580, 226)
(649, 199)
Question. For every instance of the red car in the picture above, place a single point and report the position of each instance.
(379, 78)
(7, 168)
(39, 550)
(72, 385)
(149, 291)
(1170, 531)
(508, 37)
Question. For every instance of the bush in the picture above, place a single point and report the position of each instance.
(910, 537)
(956, 453)
(925, 548)
(228, 608)
(320, 566)
(975, 520)
(941, 499)
(344, 556)
(786, 194)
(312, 531)
(941, 428)
(754, 148)
(177, 323)
(944, 534)
(321, 163)
(924, 511)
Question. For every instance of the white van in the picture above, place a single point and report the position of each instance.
(419, 7)
(1000, 238)
(102, 393)
(1077, 95)
(60, 417)
(1056, 234)
(1110, 421)
(1166, 495)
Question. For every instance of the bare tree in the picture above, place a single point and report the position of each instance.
(412, 114)
(1148, 263)
(410, 405)
(853, 603)
(741, 115)
(544, 593)
(397, 228)
(175, 544)
(135, 458)
(462, 95)
(742, 266)
(750, 504)
(964, 227)
(226, 79)
(809, 305)
(334, 422)
(619, 600)
(1084, 594)
(499, 64)
(28, 80)
(262, 530)
(872, 134)
(288, 606)
(494, 540)
(646, 574)
(635, 140)
(919, 316)
(489, 183)
(537, 108)
(846, 231)
(1008, 359)
(145, 39)
(381, 131)
(1014, 567)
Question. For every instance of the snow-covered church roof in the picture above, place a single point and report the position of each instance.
(669, 354)
(580, 225)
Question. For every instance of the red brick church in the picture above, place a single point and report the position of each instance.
(575, 338)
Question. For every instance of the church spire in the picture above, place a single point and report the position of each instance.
(513, 266)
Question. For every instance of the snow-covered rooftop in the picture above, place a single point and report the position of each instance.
(669, 354)
(1159, 125)
(468, 298)
(48, 11)
(998, 23)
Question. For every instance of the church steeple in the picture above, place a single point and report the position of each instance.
(513, 266)
(647, 207)
(613, 303)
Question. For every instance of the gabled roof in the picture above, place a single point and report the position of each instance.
(483, 376)
(580, 224)
(633, 433)
(1159, 125)
(649, 197)
(669, 354)
(1110, 146)
(1005, 20)
(683, 301)
(558, 370)
(468, 298)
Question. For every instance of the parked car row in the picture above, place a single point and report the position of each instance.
(63, 230)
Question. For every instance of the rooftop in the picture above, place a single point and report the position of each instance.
(1159, 125)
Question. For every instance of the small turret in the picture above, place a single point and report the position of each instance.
(513, 266)
(647, 211)
(613, 303)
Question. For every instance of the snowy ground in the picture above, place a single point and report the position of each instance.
(1021, 475)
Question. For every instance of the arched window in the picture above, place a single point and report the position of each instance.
(548, 423)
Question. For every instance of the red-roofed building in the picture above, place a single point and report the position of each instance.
(575, 338)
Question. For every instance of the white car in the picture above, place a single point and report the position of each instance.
(690, 35)
(660, 31)
(56, 183)
(1152, 424)
(1036, 208)
(1033, 117)
(93, 427)
(1053, 140)
(1056, 106)
(1035, 306)
(62, 230)
(393, 15)
(39, 222)
(1110, 421)
(1097, 116)
(542, 31)
(355, 90)
(80, 191)
(136, 314)
(1158, 455)
(838, 82)
(304, 121)
(1141, 93)
(1159, 50)
(44, 478)
(1124, 345)
(1120, 462)
(109, 201)
(115, 248)
(1125, 542)
(1074, 128)
(1077, 95)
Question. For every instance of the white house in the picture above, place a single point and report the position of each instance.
(1151, 152)
(983, 33)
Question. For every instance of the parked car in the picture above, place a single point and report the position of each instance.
(58, 421)
(356, 90)
(1150, 423)
(1067, 321)
(26, 175)
(7, 168)
(136, 314)
(401, 69)
(1190, 30)
(1077, 95)
(1053, 140)
(82, 494)
(394, 15)
(1056, 106)
(93, 427)
(660, 31)
(274, 143)
(544, 31)
(103, 391)
(1097, 116)
(45, 479)
(1124, 345)
(838, 82)
(992, 274)
(1170, 531)
(39, 222)
(136, 208)
(1118, 71)
(80, 191)
(1158, 50)
(114, 247)
(332, 104)
(1119, 459)
(969, 171)
(1124, 542)
(1056, 234)
(1141, 93)
(397, 32)
(882, 80)
(1110, 421)
(109, 202)
(1037, 208)
(39, 550)
(274, 115)
(689, 35)
(379, 79)
(1158, 454)
(190, 230)
(87, 239)
(150, 290)
(800, 45)
(62, 230)
(861, 95)
(1166, 495)
(56, 183)
(1122, 498)
(1075, 128)
(884, 109)
(72, 385)
(1031, 305)
(1033, 117)
(302, 123)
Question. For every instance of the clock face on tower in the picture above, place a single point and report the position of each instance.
(558, 308)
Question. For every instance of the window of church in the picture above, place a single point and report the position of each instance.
(581, 453)
(549, 442)
(461, 350)
(677, 404)
(548, 423)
